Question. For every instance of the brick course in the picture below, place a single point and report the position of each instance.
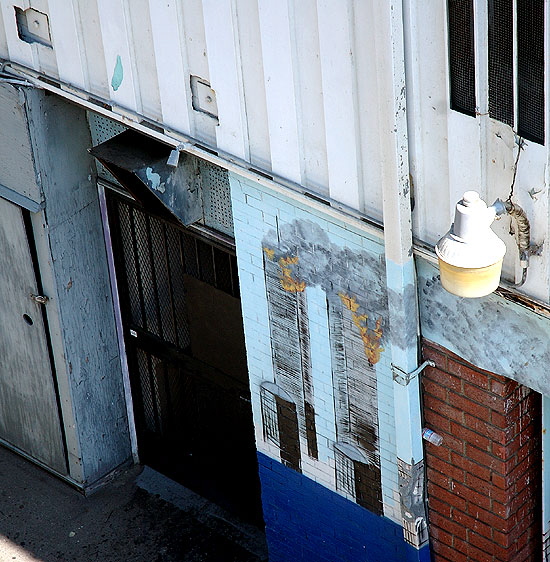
(484, 482)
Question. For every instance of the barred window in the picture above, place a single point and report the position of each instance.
(515, 51)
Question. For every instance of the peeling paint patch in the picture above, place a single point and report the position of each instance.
(413, 509)
(118, 74)
(371, 338)
(154, 180)
(328, 265)
(490, 332)
(288, 283)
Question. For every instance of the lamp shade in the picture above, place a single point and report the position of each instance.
(470, 254)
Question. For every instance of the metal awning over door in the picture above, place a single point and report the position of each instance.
(139, 163)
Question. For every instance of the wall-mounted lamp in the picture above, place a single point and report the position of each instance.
(470, 254)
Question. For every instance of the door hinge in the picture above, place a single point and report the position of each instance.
(40, 299)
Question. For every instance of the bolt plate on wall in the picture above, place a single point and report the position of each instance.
(33, 26)
(204, 97)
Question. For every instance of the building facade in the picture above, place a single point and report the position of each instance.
(217, 226)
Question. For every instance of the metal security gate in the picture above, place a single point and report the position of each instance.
(185, 345)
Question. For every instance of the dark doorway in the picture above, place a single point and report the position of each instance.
(185, 344)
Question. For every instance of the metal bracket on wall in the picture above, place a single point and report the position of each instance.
(403, 378)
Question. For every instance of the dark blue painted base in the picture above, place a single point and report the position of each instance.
(306, 522)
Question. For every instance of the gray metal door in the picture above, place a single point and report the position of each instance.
(29, 415)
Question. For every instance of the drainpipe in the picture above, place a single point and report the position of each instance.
(402, 294)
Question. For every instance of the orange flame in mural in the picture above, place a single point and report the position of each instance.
(371, 338)
(288, 283)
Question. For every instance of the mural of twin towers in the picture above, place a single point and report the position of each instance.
(299, 256)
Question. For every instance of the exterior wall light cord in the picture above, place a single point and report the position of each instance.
(523, 231)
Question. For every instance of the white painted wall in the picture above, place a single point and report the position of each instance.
(451, 153)
(303, 89)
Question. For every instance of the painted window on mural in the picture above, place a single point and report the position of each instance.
(298, 257)
(345, 474)
(280, 423)
(514, 34)
(269, 417)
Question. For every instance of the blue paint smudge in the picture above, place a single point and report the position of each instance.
(154, 180)
(118, 74)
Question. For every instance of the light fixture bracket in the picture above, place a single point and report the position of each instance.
(403, 378)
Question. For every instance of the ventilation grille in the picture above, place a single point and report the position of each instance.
(516, 73)
(216, 196)
(462, 56)
(102, 129)
(530, 23)
(501, 61)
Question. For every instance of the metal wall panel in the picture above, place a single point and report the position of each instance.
(284, 76)
(17, 175)
(29, 416)
(451, 152)
(303, 90)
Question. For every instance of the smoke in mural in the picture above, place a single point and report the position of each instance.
(297, 256)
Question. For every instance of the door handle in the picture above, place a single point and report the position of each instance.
(40, 299)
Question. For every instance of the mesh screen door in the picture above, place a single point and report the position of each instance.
(185, 345)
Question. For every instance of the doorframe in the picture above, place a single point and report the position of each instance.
(101, 188)
(226, 241)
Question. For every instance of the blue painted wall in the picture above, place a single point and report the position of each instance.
(61, 138)
(308, 522)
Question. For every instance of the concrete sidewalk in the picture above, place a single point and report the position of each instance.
(44, 519)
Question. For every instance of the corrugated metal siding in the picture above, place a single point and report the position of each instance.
(303, 89)
(451, 153)
(286, 77)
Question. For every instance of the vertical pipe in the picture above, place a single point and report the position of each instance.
(402, 291)
(400, 271)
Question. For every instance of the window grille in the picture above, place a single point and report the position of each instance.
(269, 417)
(345, 474)
(515, 51)
(462, 56)
(501, 60)
(530, 23)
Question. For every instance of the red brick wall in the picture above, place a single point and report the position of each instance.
(484, 481)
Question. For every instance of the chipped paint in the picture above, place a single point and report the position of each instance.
(403, 324)
(371, 338)
(118, 74)
(154, 180)
(288, 283)
(330, 266)
(413, 508)
(490, 332)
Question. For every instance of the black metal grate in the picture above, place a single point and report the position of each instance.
(149, 407)
(530, 26)
(190, 410)
(462, 56)
(157, 255)
(501, 61)
(269, 417)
